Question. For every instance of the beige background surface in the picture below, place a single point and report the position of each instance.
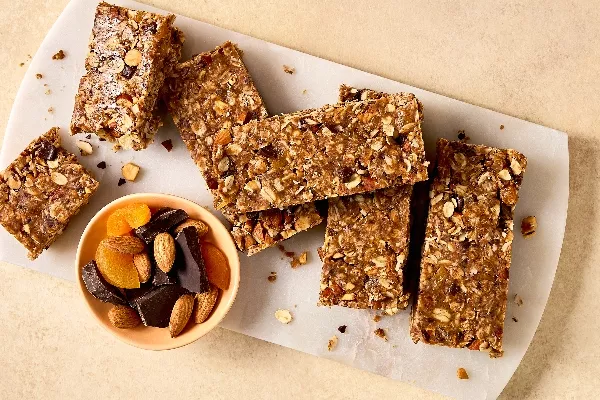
(533, 59)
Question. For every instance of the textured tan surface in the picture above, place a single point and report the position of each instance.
(533, 59)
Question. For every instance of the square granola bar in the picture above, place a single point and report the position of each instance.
(130, 53)
(41, 191)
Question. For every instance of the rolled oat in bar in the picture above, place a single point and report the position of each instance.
(466, 256)
(208, 95)
(365, 250)
(337, 150)
(130, 53)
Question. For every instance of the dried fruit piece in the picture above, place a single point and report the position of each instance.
(123, 317)
(143, 265)
(461, 373)
(117, 268)
(164, 251)
(116, 225)
(205, 302)
(217, 267)
(130, 171)
(200, 226)
(182, 310)
(98, 287)
(137, 214)
(191, 271)
(283, 316)
(124, 244)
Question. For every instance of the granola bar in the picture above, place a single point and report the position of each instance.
(365, 250)
(468, 244)
(41, 191)
(207, 95)
(130, 53)
(337, 150)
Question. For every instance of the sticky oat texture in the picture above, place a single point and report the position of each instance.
(208, 95)
(336, 150)
(468, 244)
(130, 53)
(41, 191)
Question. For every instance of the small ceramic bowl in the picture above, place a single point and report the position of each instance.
(148, 337)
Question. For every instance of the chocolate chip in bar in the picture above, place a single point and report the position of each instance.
(189, 265)
(98, 287)
(156, 305)
(47, 151)
(162, 221)
(161, 278)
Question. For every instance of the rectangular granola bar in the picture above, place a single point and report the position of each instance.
(365, 250)
(468, 244)
(206, 96)
(41, 191)
(130, 53)
(336, 150)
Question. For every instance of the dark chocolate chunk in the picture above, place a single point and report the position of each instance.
(101, 165)
(161, 278)
(162, 221)
(128, 71)
(88, 136)
(342, 328)
(98, 287)
(121, 182)
(167, 144)
(189, 264)
(47, 151)
(156, 305)
(133, 294)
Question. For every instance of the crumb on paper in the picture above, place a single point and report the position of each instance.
(167, 144)
(289, 254)
(283, 316)
(50, 110)
(501, 127)
(462, 136)
(101, 164)
(85, 148)
(304, 91)
(288, 70)
(21, 64)
(59, 55)
(377, 318)
(273, 277)
(48, 91)
(121, 182)
(102, 139)
(461, 373)
(528, 226)
(130, 171)
(88, 136)
(300, 260)
(379, 332)
(342, 328)
(39, 76)
(515, 319)
(332, 343)
(518, 300)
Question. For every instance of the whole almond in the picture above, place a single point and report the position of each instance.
(182, 310)
(200, 226)
(124, 244)
(123, 317)
(164, 251)
(143, 265)
(205, 302)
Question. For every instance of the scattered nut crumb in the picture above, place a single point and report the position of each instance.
(121, 182)
(518, 300)
(21, 64)
(101, 165)
(130, 171)
(38, 76)
(515, 319)
(289, 254)
(377, 318)
(304, 91)
(528, 226)
(59, 56)
(461, 373)
(380, 333)
(300, 260)
(283, 316)
(501, 127)
(89, 136)
(288, 70)
(167, 144)
(85, 148)
(342, 328)
(48, 91)
(332, 343)
(50, 110)
(273, 277)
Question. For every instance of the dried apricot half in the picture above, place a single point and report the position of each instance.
(117, 268)
(217, 267)
(117, 225)
(137, 214)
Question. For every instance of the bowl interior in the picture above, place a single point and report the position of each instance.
(149, 337)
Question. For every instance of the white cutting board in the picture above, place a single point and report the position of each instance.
(544, 194)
